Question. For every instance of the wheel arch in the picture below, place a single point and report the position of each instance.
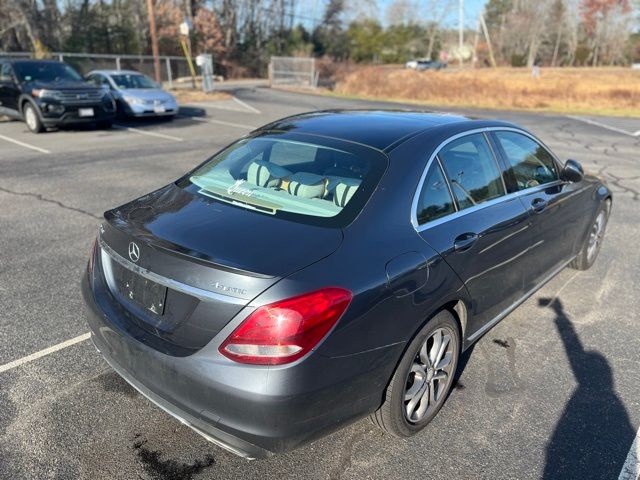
(601, 195)
(458, 308)
(23, 100)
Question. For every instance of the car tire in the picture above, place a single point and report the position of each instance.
(403, 412)
(106, 125)
(593, 243)
(32, 118)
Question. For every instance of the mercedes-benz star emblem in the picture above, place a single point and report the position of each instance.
(134, 252)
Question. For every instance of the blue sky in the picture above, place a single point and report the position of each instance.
(308, 9)
(472, 9)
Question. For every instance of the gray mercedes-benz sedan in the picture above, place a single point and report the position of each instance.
(332, 265)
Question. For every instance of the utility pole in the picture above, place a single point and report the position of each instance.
(476, 37)
(154, 40)
(460, 28)
(188, 21)
(485, 30)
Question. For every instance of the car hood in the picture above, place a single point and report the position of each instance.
(146, 94)
(201, 228)
(62, 85)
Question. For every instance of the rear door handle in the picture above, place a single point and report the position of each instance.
(538, 205)
(465, 241)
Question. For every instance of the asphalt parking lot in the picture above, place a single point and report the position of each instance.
(552, 391)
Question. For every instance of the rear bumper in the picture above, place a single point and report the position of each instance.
(163, 379)
(253, 411)
(218, 437)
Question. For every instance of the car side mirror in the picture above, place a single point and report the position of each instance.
(572, 171)
(6, 79)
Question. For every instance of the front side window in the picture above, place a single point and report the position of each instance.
(531, 164)
(435, 200)
(95, 79)
(127, 81)
(472, 171)
(5, 73)
(311, 180)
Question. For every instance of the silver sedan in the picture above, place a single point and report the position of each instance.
(136, 94)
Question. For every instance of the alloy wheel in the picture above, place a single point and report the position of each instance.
(30, 118)
(430, 375)
(596, 235)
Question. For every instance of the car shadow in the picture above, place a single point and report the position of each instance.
(183, 119)
(593, 435)
(462, 364)
(191, 111)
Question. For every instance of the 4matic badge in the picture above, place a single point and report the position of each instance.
(225, 288)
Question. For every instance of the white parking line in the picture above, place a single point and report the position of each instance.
(220, 122)
(42, 353)
(245, 105)
(605, 126)
(25, 145)
(631, 468)
(151, 134)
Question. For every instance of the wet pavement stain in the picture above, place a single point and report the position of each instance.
(112, 382)
(346, 456)
(168, 469)
(503, 378)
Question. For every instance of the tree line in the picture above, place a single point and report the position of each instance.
(243, 34)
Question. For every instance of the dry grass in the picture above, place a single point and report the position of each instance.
(612, 91)
(191, 96)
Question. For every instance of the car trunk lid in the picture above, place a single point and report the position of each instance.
(183, 265)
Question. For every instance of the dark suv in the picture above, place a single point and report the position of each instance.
(47, 93)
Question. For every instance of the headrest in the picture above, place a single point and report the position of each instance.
(307, 185)
(344, 190)
(266, 174)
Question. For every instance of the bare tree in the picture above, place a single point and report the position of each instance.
(402, 12)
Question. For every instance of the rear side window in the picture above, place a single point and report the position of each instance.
(530, 163)
(294, 176)
(435, 199)
(472, 171)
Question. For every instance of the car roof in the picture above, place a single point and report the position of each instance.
(379, 129)
(117, 72)
(27, 60)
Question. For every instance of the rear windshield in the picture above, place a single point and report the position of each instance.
(45, 72)
(300, 177)
(129, 81)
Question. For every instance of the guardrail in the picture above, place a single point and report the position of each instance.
(174, 66)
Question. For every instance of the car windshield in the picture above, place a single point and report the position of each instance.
(45, 72)
(313, 181)
(128, 81)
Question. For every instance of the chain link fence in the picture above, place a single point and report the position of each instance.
(174, 71)
(293, 72)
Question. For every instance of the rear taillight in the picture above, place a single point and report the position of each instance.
(284, 331)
